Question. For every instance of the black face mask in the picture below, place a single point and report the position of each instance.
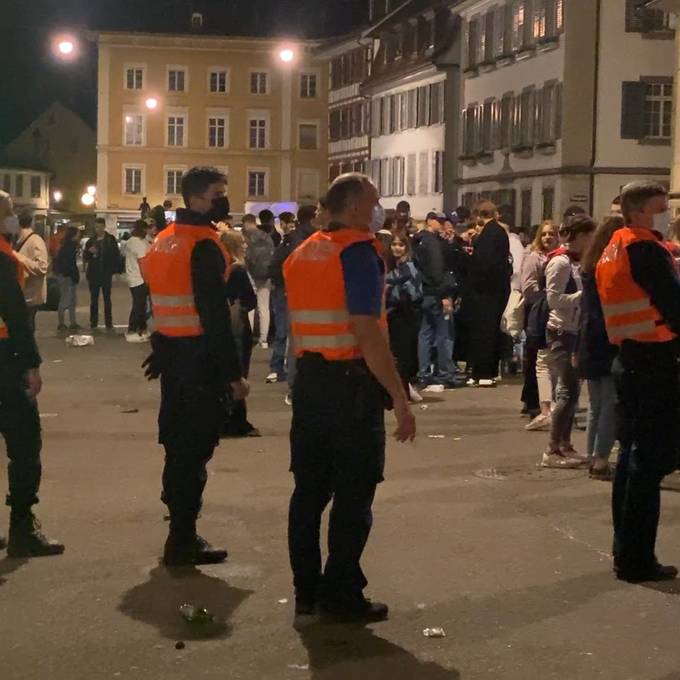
(219, 210)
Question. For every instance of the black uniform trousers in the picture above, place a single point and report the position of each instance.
(338, 453)
(189, 424)
(103, 285)
(20, 428)
(649, 405)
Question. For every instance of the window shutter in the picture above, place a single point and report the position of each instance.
(489, 44)
(633, 110)
(633, 16)
(411, 174)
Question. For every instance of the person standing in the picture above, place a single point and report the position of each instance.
(564, 290)
(259, 255)
(345, 378)
(279, 304)
(486, 296)
(596, 356)
(268, 226)
(102, 260)
(65, 267)
(404, 298)
(31, 251)
(640, 293)
(194, 354)
(136, 249)
(20, 385)
(429, 257)
(144, 209)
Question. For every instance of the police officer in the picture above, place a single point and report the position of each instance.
(640, 294)
(20, 384)
(346, 377)
(194, 353)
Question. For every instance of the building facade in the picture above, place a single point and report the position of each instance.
(255, 108)
(414, 87)
(30, 191)
(563, 103)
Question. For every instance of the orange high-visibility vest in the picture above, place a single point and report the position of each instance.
(21, 273)
(628, 310)
(317, 302)
(167, 271)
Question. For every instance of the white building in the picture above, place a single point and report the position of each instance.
(563, 102)
(30, 190)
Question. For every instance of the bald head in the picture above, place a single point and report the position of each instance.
(351, 200)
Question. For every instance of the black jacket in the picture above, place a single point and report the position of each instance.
(595, 353)
(65, 263)
(429, 258)
(103, 264)
(490, 269)
(290, 242)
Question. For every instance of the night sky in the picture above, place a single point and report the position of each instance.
(32, 79)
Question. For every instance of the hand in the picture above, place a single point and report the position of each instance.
(574, 361)
(152, 369)
(92, 250)
(33, 383)
(240, 389)
(448, 305)
(406, 423)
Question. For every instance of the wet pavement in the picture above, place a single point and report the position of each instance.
(469, 536)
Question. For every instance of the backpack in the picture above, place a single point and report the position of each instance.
(259, 256)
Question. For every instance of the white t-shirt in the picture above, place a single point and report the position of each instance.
(135, 249)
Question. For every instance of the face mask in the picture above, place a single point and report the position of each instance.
(219, 210)
(662, 222)
(378, 220)
(11, 225)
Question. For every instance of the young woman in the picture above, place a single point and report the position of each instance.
(242, 300)
(65, 267)
(538, 388)
(136, 248)
(404, 296)
(596, 355)
(564, 290)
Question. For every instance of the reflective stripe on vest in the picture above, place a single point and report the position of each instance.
(628, 311)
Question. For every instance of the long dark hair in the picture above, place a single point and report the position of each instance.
(603, 234)
(390, 260)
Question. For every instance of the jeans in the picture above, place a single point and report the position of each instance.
(601, 417)
(263, 292)
(568, 386)
(280, 309)
(105, 288)
(140, 295)
(435, 333)
(67, 299)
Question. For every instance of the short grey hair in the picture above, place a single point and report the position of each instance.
(344, 189)
(636, 194)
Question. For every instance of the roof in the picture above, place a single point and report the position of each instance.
(193, 38)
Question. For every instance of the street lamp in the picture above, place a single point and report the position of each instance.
(57, 195)
(87, 200)
(151, 103)
(286, 55)
(65, 47)
(92, 190)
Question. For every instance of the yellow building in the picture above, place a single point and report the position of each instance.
(255, 108)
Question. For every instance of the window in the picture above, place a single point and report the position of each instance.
(257, 180)
(469, 131)
(559, 15)
(438, 172)
(518, 24)
(217, 132)
(658, 110)
(36, 186)
(375, 172)
(473, 44)
(527, 118)
(334, 125)
(423, 172)
(19, 185)
(411, 168)
(257, 133)
(176, 80)
(176, 125)
(173, 181)
(640, 19)
(549, 114)
(403, 111)
(423, 106)
(412, 108)
(526, 208)
(548, 202)
(219, 81)
(259, 82)
(489, 45)
(7, 183)
(308, 86)
(133, 181)
(134, 129)
(437, 103)
(487, 126)
(397, 188)
(499, 32)
(134, 78)
(375, 118)
(540, 22)
(385, 186)
(386, 107)
(308, 136)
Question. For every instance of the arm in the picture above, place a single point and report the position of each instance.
(557, 275)
(653, 271)
(207, 273)
(35, 259)
(532, 275)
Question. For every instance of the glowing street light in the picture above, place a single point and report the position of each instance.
(65, 47)
(128, 119)
(286, 55)
(151, 103)
(57, 195)
(92, 190)
(87, 200)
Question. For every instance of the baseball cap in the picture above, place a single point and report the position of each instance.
(574, 210)
(433, 215)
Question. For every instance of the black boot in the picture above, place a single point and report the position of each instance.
(26, 539)
(185, 547)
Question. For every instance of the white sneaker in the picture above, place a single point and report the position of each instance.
(558, 460)
(540, 423)
(272, 378)
(264, 345)
(288, 401)
(472, 383)
(136, 338)
(487, 382)
(434, 389)
(414, 395)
